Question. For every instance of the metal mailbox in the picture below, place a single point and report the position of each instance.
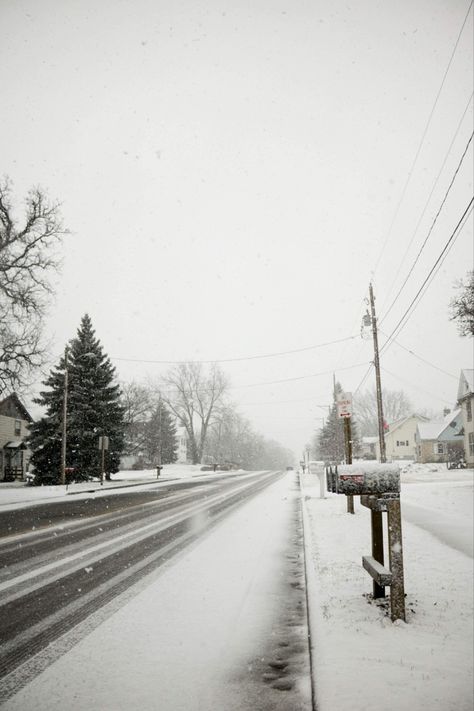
(366, 478)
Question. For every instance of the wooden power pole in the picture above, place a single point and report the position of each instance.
(64, 422)
(159, 465)
(383, 457)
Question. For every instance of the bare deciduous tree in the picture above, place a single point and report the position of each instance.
(194, 396)
(27, 259)
(138, 402)
(396, 404)
(462, 306)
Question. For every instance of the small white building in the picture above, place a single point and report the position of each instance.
(400, 438)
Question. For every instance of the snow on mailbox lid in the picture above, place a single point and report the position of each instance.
(370, 477)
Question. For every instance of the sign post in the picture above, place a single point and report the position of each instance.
(344, 411)
(103, 445)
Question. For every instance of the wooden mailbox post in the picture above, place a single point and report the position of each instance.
(379, 488)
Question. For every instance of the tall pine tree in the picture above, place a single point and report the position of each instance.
(93, 409)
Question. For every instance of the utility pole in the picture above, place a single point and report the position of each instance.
(159, 466)
(348, 443)
(383, 457)
(64, 422)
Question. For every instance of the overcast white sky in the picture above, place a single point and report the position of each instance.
(234, 173)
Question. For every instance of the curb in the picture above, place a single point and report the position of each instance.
(311, 587)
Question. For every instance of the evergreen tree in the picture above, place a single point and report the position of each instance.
(331, 444)
(160, 435)
(93, 410)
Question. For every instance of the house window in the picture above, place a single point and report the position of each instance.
(440, 448)
(406, 443)
(469, 410)
(18, 427)
(471, 443)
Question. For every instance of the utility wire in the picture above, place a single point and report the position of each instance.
(435, 183)
(425, 131)
(430, 230)
(234, 360)
(282, 402)
(169, 390)
(300, 377)
(422, 140)
(423, 360)
(402, 380)
(363, 379)
(391, 339)
(408, 312)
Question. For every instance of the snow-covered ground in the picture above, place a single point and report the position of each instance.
(363, 661)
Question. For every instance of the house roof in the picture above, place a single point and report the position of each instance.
(466, 383)
(15, 444)
(398, 423)
(432, 430)
(13, 404)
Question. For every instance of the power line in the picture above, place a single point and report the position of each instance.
(443, 253)
(234, 360)
(430, 230)
(281, 402)
(402, 380)
(300, 377)
(363, 379)
(435, 183)
(412, 167)
(202, 391)
(408, 350)
(425, 131)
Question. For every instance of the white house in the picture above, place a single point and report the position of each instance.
(466, 403)
(440, 441)
(14, 453)
(400, 438)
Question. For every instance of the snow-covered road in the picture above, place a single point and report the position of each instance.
(221, 627)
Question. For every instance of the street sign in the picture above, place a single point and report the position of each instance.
(103, 442)
(344, 405)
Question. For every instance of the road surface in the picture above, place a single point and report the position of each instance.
(61, 562)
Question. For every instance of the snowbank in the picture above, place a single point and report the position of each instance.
(363, 661)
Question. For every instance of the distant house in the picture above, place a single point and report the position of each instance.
(14, 453)
(440, 441)
(466, 403)
(400, 438)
